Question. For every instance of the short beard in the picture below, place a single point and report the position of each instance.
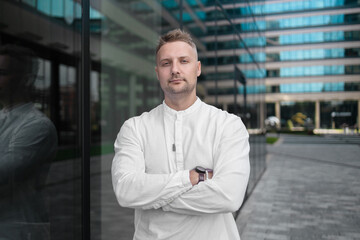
(186, 89)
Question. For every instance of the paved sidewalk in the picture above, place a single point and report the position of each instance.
(310, 190)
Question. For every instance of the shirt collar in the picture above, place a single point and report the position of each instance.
(17, 109)
(189, 110)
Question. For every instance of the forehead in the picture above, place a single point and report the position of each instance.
(176, 49)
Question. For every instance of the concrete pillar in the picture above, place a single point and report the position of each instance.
(262, 114)
(317, 114)
(277, 110)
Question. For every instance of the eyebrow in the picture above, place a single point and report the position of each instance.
(167, 59)
(164, 59)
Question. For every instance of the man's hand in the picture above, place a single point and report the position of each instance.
(210, 175)
(194, 177)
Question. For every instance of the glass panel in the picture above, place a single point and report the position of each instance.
(299, 114)
(123, 84)
(270, 8)
(338, 114)
(40, 186)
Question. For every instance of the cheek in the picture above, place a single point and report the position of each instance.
(163, 72)
(196, 71)
(162, 77)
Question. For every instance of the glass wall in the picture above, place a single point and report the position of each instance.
(39, 122)
(63, 102)
(125, 83)
(258, 7)
(295, 114)
(339, 114)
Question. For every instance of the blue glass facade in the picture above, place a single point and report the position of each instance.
(290, 23)
(293, 88)
(262, 8)
(301, 38)
(296, 43)
(287, 56)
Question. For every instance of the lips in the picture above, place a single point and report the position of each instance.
(176, 80)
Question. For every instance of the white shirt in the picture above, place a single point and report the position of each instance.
(151, 177)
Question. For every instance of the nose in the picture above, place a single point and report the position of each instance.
(175, 68)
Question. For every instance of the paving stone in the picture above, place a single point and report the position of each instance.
(310, 190)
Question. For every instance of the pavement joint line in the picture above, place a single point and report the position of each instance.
(315, 159)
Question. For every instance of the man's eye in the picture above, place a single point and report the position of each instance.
(184, 61)
(165, 64)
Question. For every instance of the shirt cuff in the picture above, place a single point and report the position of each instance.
(186, 178)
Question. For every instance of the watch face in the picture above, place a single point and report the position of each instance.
(200, 169)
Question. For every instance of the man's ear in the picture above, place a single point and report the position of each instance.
(198, 69)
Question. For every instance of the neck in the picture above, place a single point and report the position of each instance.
(180, 104)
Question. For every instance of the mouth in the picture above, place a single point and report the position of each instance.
(176, 80)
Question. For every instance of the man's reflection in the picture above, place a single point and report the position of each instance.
(28, 142)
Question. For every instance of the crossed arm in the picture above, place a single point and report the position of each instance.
(180, 192)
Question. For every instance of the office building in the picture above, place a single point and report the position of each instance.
(307, 59)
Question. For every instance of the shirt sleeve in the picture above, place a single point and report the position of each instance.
(132, 186)
(30, 146)
(225, 191)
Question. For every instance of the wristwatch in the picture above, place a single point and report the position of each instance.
(201, 171)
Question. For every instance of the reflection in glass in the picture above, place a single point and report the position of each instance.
(28, 143)
(51, 29)
(338, 114)
(123, 84)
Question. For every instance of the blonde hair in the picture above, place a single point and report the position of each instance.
(174, 36)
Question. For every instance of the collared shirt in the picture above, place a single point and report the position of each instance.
(153, 155)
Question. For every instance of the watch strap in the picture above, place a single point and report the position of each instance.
(201, 177)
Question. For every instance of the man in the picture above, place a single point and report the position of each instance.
(184, 166)
(28, 141)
